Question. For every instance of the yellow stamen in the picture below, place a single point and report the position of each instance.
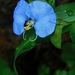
(29, 24)
(27, 28)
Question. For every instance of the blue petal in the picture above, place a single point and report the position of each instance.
(22, 8)
(21, 14)
(46, 25)
(18, 25)
(39, 9)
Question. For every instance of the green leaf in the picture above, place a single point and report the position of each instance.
(61, 72)
(72, 32)
(66, 12)
(66, 29)
(65, 25)
(43, 70)
(65, 16)
(56, 36)
(25, 45)
(71, 72)
(52, 2)
(70, 63)
(68, 54)
(5, 69)
(61, 27)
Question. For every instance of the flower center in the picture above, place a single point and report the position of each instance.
(29, 24)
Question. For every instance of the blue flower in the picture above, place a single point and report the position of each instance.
(41, 12)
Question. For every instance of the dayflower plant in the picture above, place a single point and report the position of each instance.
(40, 16)
(37, 14)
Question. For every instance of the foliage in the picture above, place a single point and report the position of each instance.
(65, 23)
(5, 69)
(43, 70)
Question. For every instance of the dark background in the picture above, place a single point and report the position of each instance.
(45, 53)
